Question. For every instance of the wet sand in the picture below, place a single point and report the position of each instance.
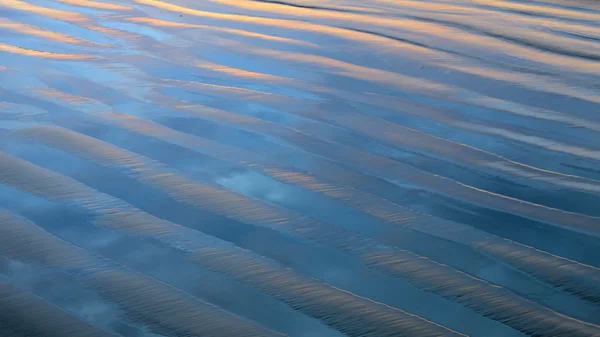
(300, 168)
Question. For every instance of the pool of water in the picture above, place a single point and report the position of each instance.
(300, 168)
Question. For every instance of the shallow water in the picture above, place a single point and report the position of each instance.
(300, 168)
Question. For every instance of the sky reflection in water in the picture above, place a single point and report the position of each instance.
(302, 168)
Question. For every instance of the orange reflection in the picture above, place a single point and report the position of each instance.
(334, 5)
(111, 31)
(304, 13)
(165, 23)
(44, 54)
(74, 102)
(290, 24)
(241, 73)
(531, 8)
(457, 13)
(520, 10)
(531, 81)
(433, 6)
(64, 16)
(96, 4)
(447, 33)
(516, 27)
(224, 89)
(32, 30)
(361, 72)
(63, 96)
(49, 12)
(554, 59)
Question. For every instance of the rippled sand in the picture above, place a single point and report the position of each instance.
(301, 168)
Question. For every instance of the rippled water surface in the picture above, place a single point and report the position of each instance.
(303, 168)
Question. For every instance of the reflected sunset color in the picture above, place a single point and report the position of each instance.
(246, 168)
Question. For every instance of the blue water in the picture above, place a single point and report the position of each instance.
(300, 168)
